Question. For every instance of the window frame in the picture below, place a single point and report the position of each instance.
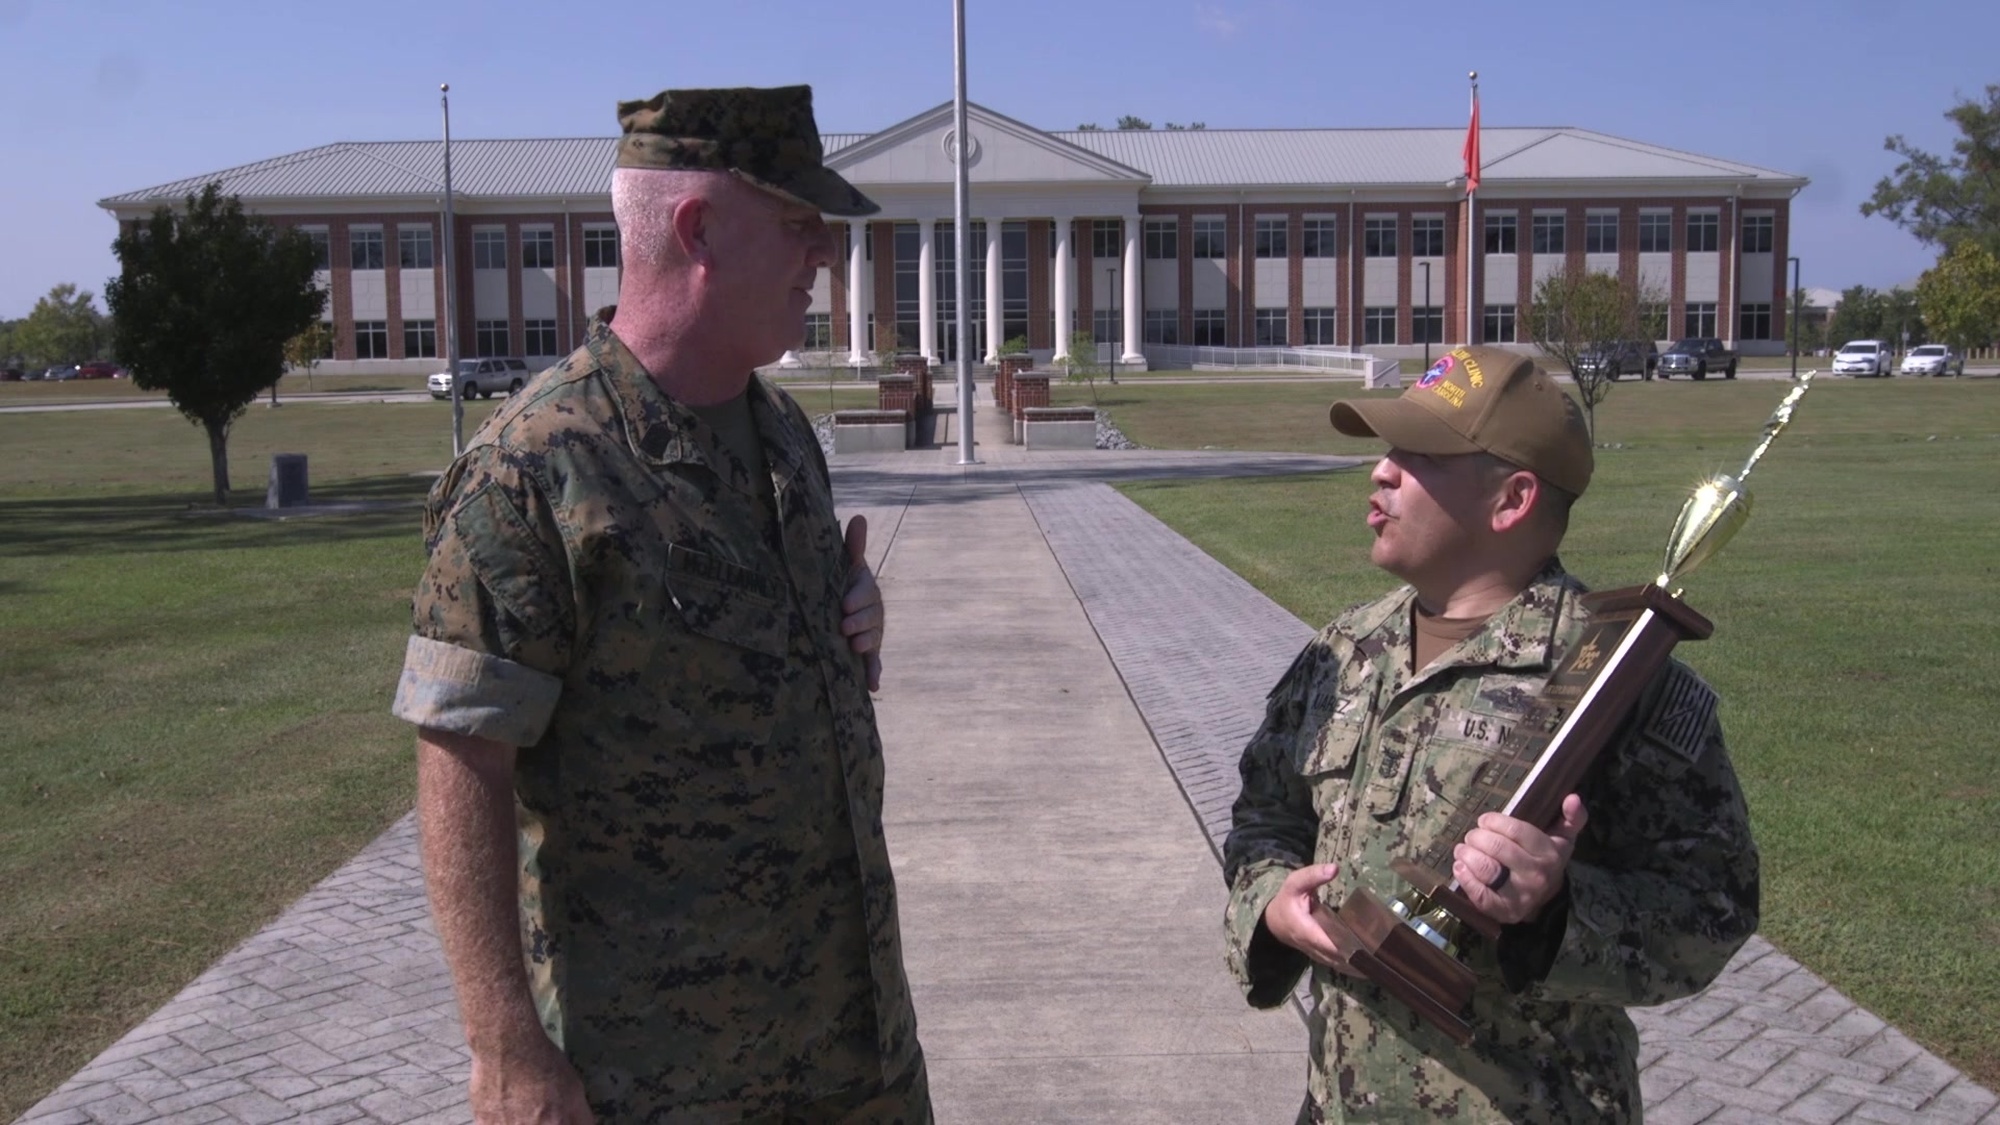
(1319, 237)
(420, 339)
(1500, 324)
(1502, 227)
(1162, 238)
(1427, 238)
(1378, 236)
(1704, 235)
(416, 249)
(1270, 238)
(1765, 237)
(1656, 232)
(365, 246)
(1378, 321)
(1600, 232)
(543, 242)
(487, 244)
(1548, 233)
(376, 333)
(1320, 325)
(597, 238)
(1211, 239)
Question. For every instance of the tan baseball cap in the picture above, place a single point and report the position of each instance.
(1482, 400)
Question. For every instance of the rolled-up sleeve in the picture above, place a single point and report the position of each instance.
(494, 613)
(445, 687)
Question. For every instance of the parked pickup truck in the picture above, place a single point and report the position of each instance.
(1698, 356)
(1620, 357)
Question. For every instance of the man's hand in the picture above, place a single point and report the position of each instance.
(1299, 919)
(862, 606)
(1533, 861)
(535, 1086)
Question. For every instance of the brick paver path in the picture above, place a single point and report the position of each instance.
(341, 1009)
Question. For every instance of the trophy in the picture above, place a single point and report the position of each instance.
(1410, 946)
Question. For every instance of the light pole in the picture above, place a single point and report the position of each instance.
(1796, 302)
(1426, 267)
(450, 289)
(1114, 331)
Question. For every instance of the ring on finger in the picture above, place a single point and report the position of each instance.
(1500, 880)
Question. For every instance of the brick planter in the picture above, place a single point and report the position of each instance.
(1030, 391)
(870, 431)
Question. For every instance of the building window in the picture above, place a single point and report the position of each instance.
(322, 252)
(1656, 232)
(1699, 319)
(600, 247)
(905, 247)
(1378, 237)
(1104, 326)
(489, 251)
(1321, 238)
(1013, 280)
(364, 249)
(1427, 236)
(1502, 233)
(413, 248)
(1547, 234)
(819, 332)
(1319, 326)
(1163, 241)
(489, 338)
(326, 336)
(1211, 238)
(1427, 325)
(1105, 236)
(371, 337)
(1163, 326)
(1270, 326)
(1600, 232)
(1210, 329)
(1704, 232)
(1378, 325)
(420, 339)
(538, 252)
(541, 337)
(1653, 319)
(1755, 322)
(1499, 324)
(1758, 234)
(1271, 239)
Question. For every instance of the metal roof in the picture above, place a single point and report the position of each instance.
(1194, 158)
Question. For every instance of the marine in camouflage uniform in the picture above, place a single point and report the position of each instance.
(651, 612)
(1357, 762)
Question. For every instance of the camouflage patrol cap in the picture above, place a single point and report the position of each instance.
(765, 137)
(1482, 400)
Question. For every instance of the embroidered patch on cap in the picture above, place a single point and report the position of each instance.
(1438, 370)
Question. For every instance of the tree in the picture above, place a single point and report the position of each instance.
(1960, 297)
(1576, 310)
(63, 327)
(1173, 128)
(1129, 122)
(205, 300)
(1859, 316)
(1902, 323)
(1080, 365)
(305, 350)
(1810, 333)
(1946, 200)
(1090, 127)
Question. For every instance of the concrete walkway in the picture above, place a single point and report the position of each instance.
(1069, 683)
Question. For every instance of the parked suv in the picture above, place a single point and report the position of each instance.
(1932, 359)
(1864, 357)
(482, 377)
(1699, 357)
(99, 369)
(1621, 357)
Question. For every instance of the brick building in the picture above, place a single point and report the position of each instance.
(1350, 238)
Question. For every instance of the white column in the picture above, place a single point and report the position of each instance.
(858, 343)
(927, 289)
(993, 291)
(1063, 275)
(1134, 314)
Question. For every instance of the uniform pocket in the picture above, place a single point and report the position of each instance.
(726, 602)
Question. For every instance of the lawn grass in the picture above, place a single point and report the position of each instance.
(197, 702)
(1853, 648)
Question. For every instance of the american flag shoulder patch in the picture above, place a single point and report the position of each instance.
(1679, 722)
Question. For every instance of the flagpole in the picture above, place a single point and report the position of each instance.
(450, 293)
(1472, 232)
(962, 229)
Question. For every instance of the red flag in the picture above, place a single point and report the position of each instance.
(1472, 147)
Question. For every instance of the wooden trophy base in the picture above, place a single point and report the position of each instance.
(1390, 952)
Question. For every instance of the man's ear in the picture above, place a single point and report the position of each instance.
(1516, 500)
(693, 224)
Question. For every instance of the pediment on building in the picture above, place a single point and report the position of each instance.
(921, 151)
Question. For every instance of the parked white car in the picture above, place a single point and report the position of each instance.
(1932, 359)
(482, 377)
(1864, 357)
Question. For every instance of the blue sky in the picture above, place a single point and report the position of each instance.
(105, 96)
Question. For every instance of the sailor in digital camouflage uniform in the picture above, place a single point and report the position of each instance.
(642, 642)
(1640, 894)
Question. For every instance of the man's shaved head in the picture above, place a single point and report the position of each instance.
(643, 202)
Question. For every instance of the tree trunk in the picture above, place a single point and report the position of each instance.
(218, 458)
